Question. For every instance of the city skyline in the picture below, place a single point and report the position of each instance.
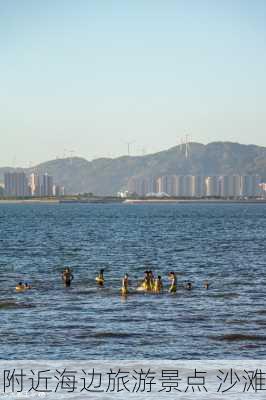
(196, 186)
(19, 184)
(87, 78)
(105, 176)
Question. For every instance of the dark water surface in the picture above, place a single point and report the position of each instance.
(225, 243)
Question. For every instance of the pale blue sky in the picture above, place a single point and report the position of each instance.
(89, 75)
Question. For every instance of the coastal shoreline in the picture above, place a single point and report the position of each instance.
(131, 201)
(29, 201)
(196, 201)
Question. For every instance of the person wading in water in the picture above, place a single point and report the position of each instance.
(67, 277)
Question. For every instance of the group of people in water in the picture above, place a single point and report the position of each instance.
(153, 284)
(21, 287)
(149, 283)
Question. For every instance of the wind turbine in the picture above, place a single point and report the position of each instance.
(71, 153)
(185, 145)
(14, 161)
(180, 145)
(129, 145)
(144, 151)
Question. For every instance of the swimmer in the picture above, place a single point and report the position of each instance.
(172, 278)
(100, 278)
(206, 285)
(124, 288)
(148, 281)
(27, 286)
(20, 287)
(67, 277)
(143, 286)
(151, 280)
(158, 284)
(188, 286)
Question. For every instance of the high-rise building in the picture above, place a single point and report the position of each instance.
(230, 186)
(236, 185)
(34, 184)
(142, 185)
(188, 184)
(131, 185)
(171, 185)
(224, 186)
(197, 185)
(46, 185)
(166, 184)
(159, 184)
(198, 189)
(58, 190)
(212, 186)
(183, 185)
(16, 184)
(180, 186)
(263, 189)
(250, 185)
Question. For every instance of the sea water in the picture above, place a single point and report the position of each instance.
(224, 243)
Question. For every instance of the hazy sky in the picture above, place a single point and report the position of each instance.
(89, 75)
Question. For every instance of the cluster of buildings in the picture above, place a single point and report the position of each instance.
(197, 186)
(18, 184)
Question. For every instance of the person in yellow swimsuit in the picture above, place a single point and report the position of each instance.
(20, 287)
(173, 282)
(151, 281)
(100, 278)
(124, 288)
(158, 284)
(144, 284)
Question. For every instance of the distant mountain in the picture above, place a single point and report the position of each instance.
(107, 176)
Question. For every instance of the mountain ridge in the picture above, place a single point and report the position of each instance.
(106, 176)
